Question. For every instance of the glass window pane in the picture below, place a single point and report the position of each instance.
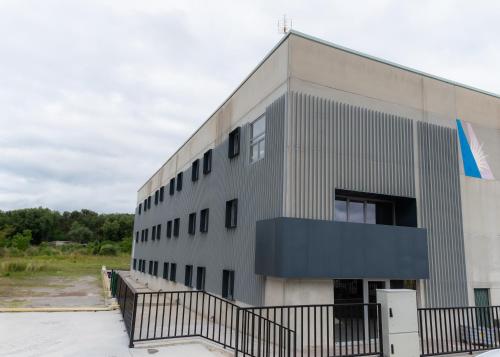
(262, 145)
(356, 212)
(253, 153)
(258, 127)
(370, 213)
(340, 210)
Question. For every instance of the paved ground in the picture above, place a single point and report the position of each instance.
(83, 334)
(52, 291)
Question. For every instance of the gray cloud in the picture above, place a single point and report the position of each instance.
(95, 95)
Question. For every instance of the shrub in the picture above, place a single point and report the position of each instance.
(14, 252)
(126, 245)
(13, 266)
(22, 241)
(108, 249)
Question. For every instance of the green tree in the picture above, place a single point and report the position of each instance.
(79, 233)
(111, 230)
(22, 241)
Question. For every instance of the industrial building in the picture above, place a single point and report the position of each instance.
(328, 174)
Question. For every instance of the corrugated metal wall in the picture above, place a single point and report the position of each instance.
(334, 145)
(259, 190)
(441, 214)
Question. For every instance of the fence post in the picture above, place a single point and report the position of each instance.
(237, 331)
(132, 327)
(399, 322)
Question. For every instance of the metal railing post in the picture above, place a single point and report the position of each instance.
(132, 328)
(238, 310)
(381, 340)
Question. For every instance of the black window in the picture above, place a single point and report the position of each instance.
(179, 181)
(140, 208)
(231, 213)
(144, 266)
(172, 186)
(142, 235)
(169, 229)
(150, 270)
(162, 193)
(173, 271)
(153, 235)
(145, 204)
(361, 210)
(146, 234)
(135, 264)
(192, 223)
(207, 162)
(157, 197)
(200, 278)
(204, 220)
(137, 237)
(149, 202)
(228, 284)
(155, 268)
(234, 143)
(177, 223)
(195, 170)
(188, 276)
(158, 232)
(165, 270)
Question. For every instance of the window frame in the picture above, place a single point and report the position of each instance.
(134, 264)
(158, 232)
(149, 202)
(192, 223)
(177, 227)
(162, 193)
(171, 188)
(137, 237)
(178, 187)
(140, 208)
(256, 141)
(173, 272)
(234, 143)
(195, 170)
(200, 279)
(188, 278)
(204, 219)
(169, 229)
(230, 206)
(157, 197)
(228, 284)
(365, 201)
(153, 233)
(155, 268)
(207, 162)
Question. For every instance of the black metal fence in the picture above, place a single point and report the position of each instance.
(305, 330)
(458, 329)
(323, 330)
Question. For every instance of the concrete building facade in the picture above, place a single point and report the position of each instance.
(325, 175)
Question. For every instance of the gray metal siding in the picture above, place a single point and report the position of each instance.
(441, 214)
(259, 190)
(334, 145)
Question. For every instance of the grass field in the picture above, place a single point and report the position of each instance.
(52, 280)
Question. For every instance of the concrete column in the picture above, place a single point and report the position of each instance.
(399, 322)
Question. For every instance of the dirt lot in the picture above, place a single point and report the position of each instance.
(51, 291)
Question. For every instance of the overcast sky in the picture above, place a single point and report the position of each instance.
(96, 95)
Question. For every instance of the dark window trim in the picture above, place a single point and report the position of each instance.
(153, 233)
(192, 223)
(157, 197)
(158, 232)
(165, 271)
(234, 143)
(140, 208)
(195, 170)
(172, 186)
(173, 272)
(230, 205)
(188, 276)
(162, 193)
(177, 224)
(200, 278)
(228, 284)
(169, 229)
(204, 217)
(179, 181)
(207, 162)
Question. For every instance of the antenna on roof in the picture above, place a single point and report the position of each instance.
(284, 25)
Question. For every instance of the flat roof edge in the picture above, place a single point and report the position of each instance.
(393, 64)
(269, 54)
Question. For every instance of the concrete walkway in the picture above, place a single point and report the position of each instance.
(83, 334)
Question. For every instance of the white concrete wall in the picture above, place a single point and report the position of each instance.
(280, 291)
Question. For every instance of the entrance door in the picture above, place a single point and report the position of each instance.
(372, 290)
(482, 298)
